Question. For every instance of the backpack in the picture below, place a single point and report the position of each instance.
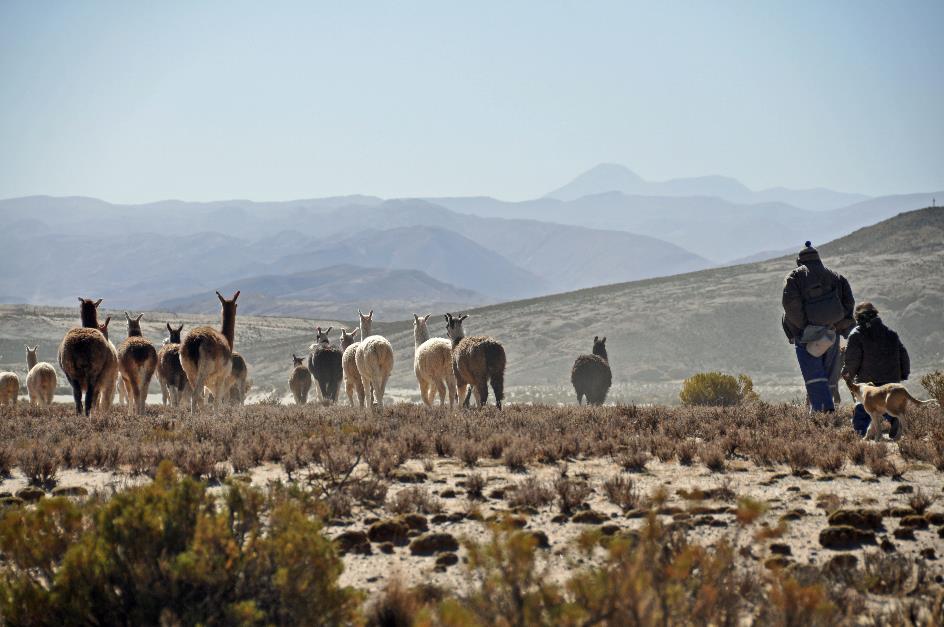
(823, 306)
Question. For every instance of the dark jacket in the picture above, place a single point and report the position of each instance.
(809, 283)
(876, 355)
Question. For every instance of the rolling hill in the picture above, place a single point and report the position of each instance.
(334, 292)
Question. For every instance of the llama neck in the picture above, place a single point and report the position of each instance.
(89, 318)
(601, 353)
(229, 328)
(365, 330)
(420, 335)
(134, 332)
(456, 340)
(30, 360)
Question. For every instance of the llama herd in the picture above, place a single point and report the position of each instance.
(204, 365)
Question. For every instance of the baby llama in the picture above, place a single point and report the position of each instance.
(325, 365)
(87, 359)
(41, 379)
(352, 378)
(374, 358)
(299, 381)
(432, 364)
(174, 384)
(591, 374)
(206, 355)
(137, 361)
(477, 360)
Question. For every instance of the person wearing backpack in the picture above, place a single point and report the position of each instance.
(874, 355)
(817, 309)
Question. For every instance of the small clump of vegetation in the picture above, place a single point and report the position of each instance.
(717, 388)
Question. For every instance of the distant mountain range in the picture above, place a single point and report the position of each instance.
(611, 177)
(607, 226)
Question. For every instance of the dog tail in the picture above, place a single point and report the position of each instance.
(916, 401)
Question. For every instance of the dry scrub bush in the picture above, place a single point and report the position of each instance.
(799, 457)
(634, 456)
(474, 485)
(622, 492)
(933, 382)
(415, 500)
(686, 451)
(39, 464)
(530, 492)
(469, 453)
(920, 501)
(717, 388)
(571, 493)
(171, 553)
(712, 456)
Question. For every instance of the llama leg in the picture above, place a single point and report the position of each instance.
(196, 399)
(441, 389)
(77, 395)
(89, 398)
(453, 394)
(383, 388)
(481, 393)
(376, 386)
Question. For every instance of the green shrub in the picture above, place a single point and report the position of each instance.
(170, 552)
(933, 382)
(717, 388)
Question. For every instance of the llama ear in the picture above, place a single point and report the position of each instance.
(169, 330)
(426, 317)
(98, 302)
(138, 319)
(235, 296)
(415, 318)
(329, 330)
(596, 338)
(128, 316)
(81, 300)
(603, 341)
(355, 331)
(180, 328)
(358, 310)
(461, 318)
(220, 296)
(107, 320)
(371, 314)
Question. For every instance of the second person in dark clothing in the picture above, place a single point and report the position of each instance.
(874, 355)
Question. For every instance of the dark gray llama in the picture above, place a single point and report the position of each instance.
(591, 374)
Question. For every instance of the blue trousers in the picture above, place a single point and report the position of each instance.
(818, 374)
(861, 419)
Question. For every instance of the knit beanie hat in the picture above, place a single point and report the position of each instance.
(808, 254)
(865, 313)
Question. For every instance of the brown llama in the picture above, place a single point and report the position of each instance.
(477, 360)
(299, 381)
(591, 375)
(170, 374)
(137, 361)
(87, 359)
(206, 355)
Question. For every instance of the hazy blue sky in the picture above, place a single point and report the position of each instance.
(133, 101)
